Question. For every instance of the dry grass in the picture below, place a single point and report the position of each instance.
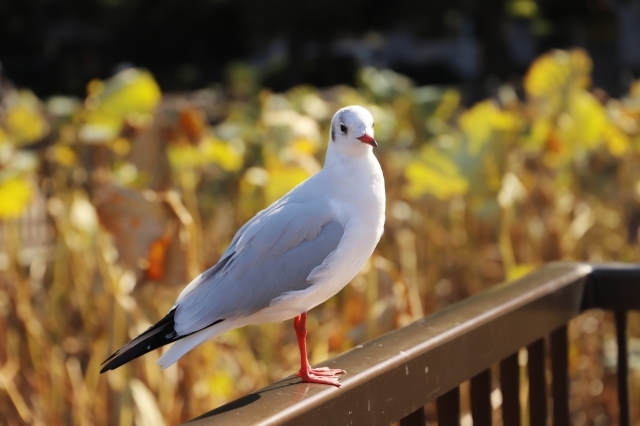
(476, 196)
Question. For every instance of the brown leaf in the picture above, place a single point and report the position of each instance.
(157, 257)
(193, 123)
(145, 231)
(149, 155)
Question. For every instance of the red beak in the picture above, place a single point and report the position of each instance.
(369, 140)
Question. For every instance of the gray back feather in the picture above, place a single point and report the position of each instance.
(272, 254)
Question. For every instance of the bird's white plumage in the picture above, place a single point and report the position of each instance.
(301, 250)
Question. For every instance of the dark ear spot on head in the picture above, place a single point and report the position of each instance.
(333, 134)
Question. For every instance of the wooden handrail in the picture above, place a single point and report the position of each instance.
(394, 376)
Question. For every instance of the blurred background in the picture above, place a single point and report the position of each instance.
(136, 137)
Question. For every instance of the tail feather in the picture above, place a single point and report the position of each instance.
(159, 334)
(176, 351)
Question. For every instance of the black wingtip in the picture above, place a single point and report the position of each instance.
(159, 334)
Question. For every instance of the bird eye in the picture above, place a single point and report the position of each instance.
(343, 128)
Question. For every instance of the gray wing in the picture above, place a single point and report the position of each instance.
(272, 254)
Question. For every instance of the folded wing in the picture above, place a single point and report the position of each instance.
(271, 255)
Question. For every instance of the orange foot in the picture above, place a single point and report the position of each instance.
(322, 375)
(324, 371)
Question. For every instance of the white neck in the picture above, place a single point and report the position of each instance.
(344, 154)
(354, 176)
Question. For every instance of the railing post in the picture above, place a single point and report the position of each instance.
(537, 384)
(480, 392)
(623, 368)
(449, 408)
(510, 388)
(416, 418)
(560, 374)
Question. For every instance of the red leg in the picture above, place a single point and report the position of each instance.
(323, 375)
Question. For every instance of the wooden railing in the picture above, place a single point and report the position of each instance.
(393, 377)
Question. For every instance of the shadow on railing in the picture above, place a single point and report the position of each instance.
(393, 377)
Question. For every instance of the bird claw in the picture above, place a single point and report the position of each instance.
(322, 375)
(323, 372)
(323, 380)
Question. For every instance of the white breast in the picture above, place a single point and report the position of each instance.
(360, 208)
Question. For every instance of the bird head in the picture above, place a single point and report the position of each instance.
(352, 131)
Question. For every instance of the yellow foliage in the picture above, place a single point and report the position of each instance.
(538, 134)
(260, 187)
(220, 382)
(24, 121)
(100, 126)
(223, 153)
(569, 119)
(585, 125)
(519, 271)
(283, 179)
(448, 105)
(305, 146)
(120, 146)
(476, 125)
(617, 142)
(130, 94)
(250, 199)
(63, 154)
(226, 154)
(15, 195)
(557, 74)
(95, 87)
(184, 156)
(130, 91)
(482, 120)
(522, 8)
(434, 173)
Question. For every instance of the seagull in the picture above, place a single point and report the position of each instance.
(290, 257)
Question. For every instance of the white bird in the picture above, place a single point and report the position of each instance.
(288, 258)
